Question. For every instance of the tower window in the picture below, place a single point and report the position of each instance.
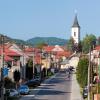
(74, 33)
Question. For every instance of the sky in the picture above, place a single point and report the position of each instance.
(25, 19)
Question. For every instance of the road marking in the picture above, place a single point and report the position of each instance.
(29, 95)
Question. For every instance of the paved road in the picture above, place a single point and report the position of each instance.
(58, 88)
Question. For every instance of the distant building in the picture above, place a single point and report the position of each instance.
(75, 30)
(57, 53)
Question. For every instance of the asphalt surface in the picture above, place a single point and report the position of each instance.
(56, 88)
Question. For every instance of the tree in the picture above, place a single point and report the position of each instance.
(79, 48)
(98, 41)
(82, 71)
(41, 45)
(30, 63)
(70, 44)
(29, 69)
(16, 77)
(89, 40)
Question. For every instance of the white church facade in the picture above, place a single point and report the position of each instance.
(75, 31)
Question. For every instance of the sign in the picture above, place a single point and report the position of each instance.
(5, 71)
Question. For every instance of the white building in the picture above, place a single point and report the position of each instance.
(75, 30)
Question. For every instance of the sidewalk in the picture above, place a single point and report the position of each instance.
(75, 95)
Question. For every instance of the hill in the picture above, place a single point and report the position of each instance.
(48, 40)
(37, 40)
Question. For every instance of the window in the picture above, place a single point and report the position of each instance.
(74, 33)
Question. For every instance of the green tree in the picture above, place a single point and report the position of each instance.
(82, 71)
(88, 41)
(30, 63)
(16, 77)
(41, 45)
(29, 69)
(98, 41)
(70, 44)
(79, 48)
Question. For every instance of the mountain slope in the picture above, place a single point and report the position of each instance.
(37, 40)
(48, 40)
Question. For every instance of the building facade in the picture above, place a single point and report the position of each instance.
(75, 31)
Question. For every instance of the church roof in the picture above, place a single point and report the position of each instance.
(75, 24)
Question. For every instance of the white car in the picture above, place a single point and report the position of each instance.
(13, 92)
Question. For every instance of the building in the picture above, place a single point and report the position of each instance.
(75, 31)
(57, 54)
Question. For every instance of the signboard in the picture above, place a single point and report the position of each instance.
(5, 71)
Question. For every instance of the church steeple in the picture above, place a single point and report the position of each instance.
(75, 30)
(76, 24)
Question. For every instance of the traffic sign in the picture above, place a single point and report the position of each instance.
(5, 71)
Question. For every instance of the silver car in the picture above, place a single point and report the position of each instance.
(13, 92)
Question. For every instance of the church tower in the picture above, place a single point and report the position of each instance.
(75, 30)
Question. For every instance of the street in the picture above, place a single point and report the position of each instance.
(56, 88)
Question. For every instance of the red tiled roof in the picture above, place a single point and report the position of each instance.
(48, 48)
(97, 47)
(29, 49)
(65, 53)
(10, 53)
(7, 58)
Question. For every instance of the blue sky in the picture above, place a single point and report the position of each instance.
(25, 19)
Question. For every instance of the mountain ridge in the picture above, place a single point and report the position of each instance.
(48, 40)
(36, 40)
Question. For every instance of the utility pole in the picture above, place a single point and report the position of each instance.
(89, 67)
(97, 77)
(46, 64)
(2, 66)
(24, 62)
(33, 62)
(40, 64)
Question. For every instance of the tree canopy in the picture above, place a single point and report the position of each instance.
(16, 75)
(98, 41)
(82, 71)
(70, 44)
(88, 40)
(41, 45)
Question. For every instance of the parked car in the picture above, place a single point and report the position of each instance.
(23, 89)
(13, 92)
(85, 92)
(33, 82)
